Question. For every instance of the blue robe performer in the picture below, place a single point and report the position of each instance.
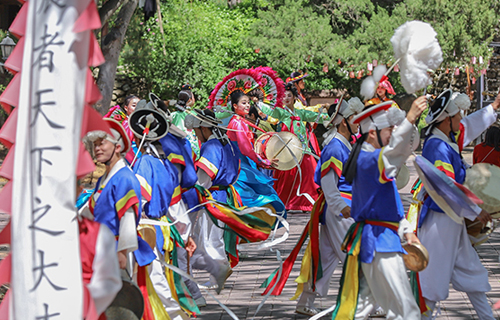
(217, 170)
(337, 196)
(452, 259)
(116, 202)
(373, 242)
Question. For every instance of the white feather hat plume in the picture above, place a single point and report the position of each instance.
(355, 106)
(395, 116)
(461, 100)
(369, 84)
(416, 47)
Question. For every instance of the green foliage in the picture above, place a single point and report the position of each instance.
(294, 37)
(203, 44)
(328, 39)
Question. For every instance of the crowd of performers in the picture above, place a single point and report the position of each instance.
(185, 190)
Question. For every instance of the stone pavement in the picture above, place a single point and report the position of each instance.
(242, 293)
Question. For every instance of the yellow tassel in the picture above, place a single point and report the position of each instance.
(156, 304)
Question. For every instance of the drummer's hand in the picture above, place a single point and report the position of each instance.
(496, 103)
(274, 163)
(484, 217)
(417, 107)
(190, 246)
(411, 238)
(122, 259)
(346, 212)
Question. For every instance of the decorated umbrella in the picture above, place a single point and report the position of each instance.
(243, 79)
(52, 101)
(271, 86)
(453, 198)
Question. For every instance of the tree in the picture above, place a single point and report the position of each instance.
(204, 43)
(111, 44)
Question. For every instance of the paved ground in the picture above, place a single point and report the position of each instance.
(242, 293)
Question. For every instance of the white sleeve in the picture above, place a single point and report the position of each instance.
(477, 122)
(177, 212)
(128, 232)
(106, 281)
(204, 179)
(332, 194)
(397, 151)
(85, 211)
(404, 228)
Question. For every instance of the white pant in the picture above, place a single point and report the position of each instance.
(384, 282)
(330, 240)
(452, 259)
(210, 254)
(160, 284)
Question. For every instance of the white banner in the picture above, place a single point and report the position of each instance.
(46, 270)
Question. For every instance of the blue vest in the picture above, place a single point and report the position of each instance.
(221, 163)
(446, 159)
(123, 191)
(161, 181)
(375, 197)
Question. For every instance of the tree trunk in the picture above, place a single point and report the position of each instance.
(111, 46)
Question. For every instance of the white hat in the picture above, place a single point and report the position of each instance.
(344, 110)
(447, 104)
(379, 116)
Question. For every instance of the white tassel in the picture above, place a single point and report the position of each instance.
(369, 84)
(416, 46)
(379, 72)
(395, 116)
(356, 105)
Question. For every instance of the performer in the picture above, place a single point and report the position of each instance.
(163, 186)
(116, 202)
(336, 216)
(121, 115)
(217, 170)
(297, 79)
(489, 150)
(254, 188)
(384, 88)
(377, 210)
(186, 100)
(452, 258)
(288, 182)
(119, 205)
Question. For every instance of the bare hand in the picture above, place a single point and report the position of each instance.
(122, 259)
(411, 238)
(274, 163)
(484, 217)
(496, 103)
(346, 212)
(417, 107)
(190, 246)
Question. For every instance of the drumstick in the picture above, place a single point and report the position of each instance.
(280, 150)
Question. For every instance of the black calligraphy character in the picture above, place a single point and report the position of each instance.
(38, 109)
(46, 57)
(46, 4)
(47, 316)
(44, 209)
(41, 268)
(41, 159)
